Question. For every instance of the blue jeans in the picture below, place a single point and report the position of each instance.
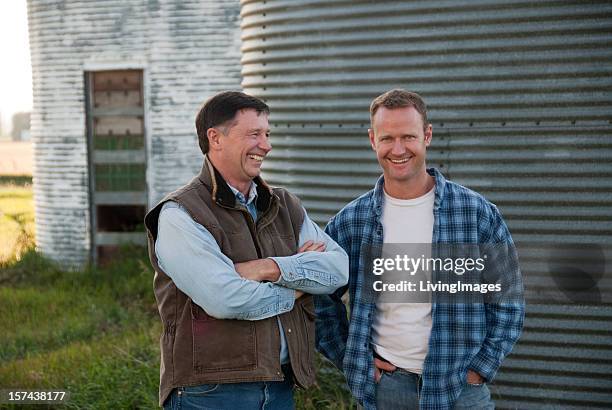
(400, 390)
(234, 396)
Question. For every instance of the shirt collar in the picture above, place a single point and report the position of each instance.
(440, 187)
(240, 196)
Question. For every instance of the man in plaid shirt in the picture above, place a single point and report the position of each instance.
(414, 355)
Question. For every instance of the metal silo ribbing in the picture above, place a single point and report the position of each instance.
(519, 94)
(186, 50)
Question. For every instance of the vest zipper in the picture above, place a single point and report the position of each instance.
(252, 229)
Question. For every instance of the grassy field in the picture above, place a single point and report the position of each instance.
(93, 333)
(16, 217)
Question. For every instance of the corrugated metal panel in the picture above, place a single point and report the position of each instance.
(188, 50)
(519, 94)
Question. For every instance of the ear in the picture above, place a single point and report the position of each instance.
(428, 135)
(372, 138)
(214, 139)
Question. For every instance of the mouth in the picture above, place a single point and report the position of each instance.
(400, 160)
(257, 158)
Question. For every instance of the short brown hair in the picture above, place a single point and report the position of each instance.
(221, 108)
(398, 98)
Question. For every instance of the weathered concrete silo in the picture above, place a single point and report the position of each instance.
(519, 96)
(116, 87)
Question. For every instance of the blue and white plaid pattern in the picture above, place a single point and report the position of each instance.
(463, 336)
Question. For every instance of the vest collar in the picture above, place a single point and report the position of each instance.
(222, 194)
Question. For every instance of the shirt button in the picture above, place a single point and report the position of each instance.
(289, 330)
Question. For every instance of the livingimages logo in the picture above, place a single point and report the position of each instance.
(453, 273)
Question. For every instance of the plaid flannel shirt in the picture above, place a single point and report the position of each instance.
(463, 336)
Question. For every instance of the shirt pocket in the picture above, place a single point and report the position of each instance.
(280, 244)
(222, 345)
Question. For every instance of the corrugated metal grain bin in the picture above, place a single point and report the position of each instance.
(116, 88)
(520, 99)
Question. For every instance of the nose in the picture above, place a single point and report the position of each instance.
(398, 147)
(264, 143)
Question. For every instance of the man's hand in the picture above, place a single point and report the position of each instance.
(258, 270)
(310, 246)
(474, 378)
(266, 269)
(380, 366)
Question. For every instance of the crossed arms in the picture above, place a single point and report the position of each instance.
(251, 290)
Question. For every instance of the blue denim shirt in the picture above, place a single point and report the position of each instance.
(188, 254)
(463, 336)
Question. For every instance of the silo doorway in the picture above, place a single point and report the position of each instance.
(117, 160)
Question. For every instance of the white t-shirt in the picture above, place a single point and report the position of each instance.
(400, 332)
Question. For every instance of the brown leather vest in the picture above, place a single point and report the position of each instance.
(197, 348)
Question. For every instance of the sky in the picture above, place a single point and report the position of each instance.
(15, 66)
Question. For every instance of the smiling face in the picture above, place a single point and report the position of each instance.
(237, 149)
(400, 142)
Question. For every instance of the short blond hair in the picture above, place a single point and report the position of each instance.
(398, 98)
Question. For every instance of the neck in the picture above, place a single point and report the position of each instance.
(243, 187)
(240, 185)
(416, 187)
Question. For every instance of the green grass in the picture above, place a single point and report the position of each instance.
(16, 220)
(95, 332)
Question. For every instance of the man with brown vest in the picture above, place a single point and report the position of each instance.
(236, 263)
